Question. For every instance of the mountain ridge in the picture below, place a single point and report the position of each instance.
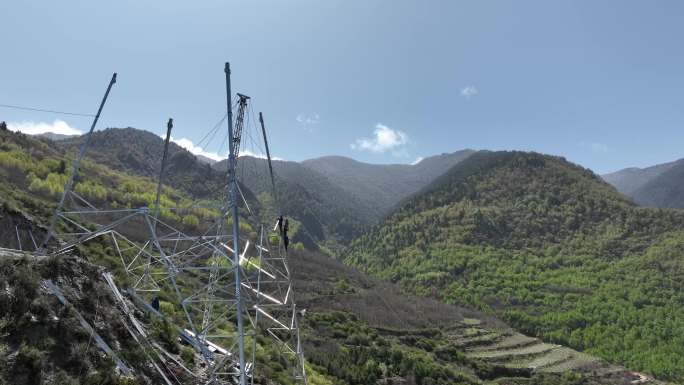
(383, 186)
(354, 325)
(655, 186)
(330, 211)
(630, 179)
(545, 244)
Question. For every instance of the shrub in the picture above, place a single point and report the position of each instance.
(63, 378)
(188, 355)
(167, 308)
(29, 363)
(166, 334)
(51, 186)
(92, 191)
(190, 220)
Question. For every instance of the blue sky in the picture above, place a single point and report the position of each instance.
(599, 82)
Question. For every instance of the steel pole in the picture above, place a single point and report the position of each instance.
(74, 170)
(270, 166)
(169, 126)
(236, 227)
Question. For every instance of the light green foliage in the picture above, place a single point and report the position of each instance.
(167, 308)
(362, 352)
(51, 186)
(245, 228)
(29, 164)
(315, 377)
(343, 287)
(91, 191)
(191, 221)
(188, 355)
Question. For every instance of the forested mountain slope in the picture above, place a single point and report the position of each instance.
(656, 186)
(382, 186)
(548, 246)
(34, 171)
(139, 152)
(357, 330)
(335, 199)
(326, 211)
(365, 331)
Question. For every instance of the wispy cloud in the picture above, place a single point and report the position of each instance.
(309, 118)
(34, 128)
(384, 139)
(469, 92)
(418, 160)
(308, 121)
(595, 147)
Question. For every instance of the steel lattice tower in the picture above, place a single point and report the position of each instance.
(229, 287)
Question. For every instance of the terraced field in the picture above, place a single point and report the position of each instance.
(430, 327)
(512, 350)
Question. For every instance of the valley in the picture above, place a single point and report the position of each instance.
(384, 192)
(587, 280)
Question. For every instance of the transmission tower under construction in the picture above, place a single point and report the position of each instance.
(226, 289)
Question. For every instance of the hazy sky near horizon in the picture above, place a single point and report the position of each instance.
(598, 82)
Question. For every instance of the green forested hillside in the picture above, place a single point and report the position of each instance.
(382, 186)
(139, 152)
(356, 330)
(334, 199)
(359, 330)
(327, 213)
(548, 246)
(33, 173)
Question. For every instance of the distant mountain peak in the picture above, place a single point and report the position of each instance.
(54, 136)
(656, 186)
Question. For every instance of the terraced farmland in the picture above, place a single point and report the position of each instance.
(494, 353)
(515, 351)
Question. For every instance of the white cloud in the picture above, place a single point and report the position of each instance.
(257, 155)
(384, 139)
(308, 119)
(35, 128)
(595, 147)
(197, 150)
(469, 92)
(418, 160)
